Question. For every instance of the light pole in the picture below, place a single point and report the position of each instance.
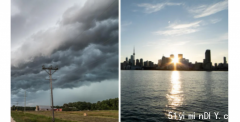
(49, 71)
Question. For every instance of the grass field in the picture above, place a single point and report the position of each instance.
(66, 116)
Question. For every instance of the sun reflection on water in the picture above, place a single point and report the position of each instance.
(175, 97)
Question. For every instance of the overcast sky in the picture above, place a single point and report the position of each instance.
(164, 27)
(79, 36)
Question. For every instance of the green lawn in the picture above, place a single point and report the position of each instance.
(66, 116)
(19, 116)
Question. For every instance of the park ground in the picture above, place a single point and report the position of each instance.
(66, 116)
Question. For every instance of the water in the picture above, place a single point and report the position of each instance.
(151, 95)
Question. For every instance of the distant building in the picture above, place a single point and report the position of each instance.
(132, 60)
(220, 65)
(57, 109)
(208, 56)
(43, 108)
(133, 57)
(137, 62)
(207, 64)
(180, 56)
(126, 59)
(166, 63)
(151, 64)
(163, 62)
(198, 66)
(159, 62)
(172, 56)
(141, 62)
(146, 64)
(224, 60)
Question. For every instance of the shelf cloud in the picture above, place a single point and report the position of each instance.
(83, 42)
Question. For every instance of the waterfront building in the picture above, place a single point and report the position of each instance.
(141, 62)
(159, 62)
(224, 60)
(180, 56)
(145, 63)
(207, 64)
(137, 62)
(150, 64)
(132, 63)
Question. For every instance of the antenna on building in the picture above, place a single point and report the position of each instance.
(134, 50)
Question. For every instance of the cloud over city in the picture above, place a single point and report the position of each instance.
(180, 29)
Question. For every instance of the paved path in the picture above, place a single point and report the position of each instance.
(12, 120)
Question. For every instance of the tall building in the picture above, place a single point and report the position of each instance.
(163, 62)
(141, 62)
(137, 62)
(131, 60)
(224, 60)
(127, 60)
(207, 64)
(180, 56)
(159, 62)
(208, 56)
(172, 56)
(134, 53)
(145, 63)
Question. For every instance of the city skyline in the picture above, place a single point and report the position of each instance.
(224, 58)
(178, 27)
(174, 62)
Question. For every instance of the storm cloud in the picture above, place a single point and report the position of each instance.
(83, 42)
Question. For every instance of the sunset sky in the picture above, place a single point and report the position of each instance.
(187, 27)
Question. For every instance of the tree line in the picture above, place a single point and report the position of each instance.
(21, 108)
(109, 104)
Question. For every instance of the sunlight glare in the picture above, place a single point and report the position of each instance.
(175, 60)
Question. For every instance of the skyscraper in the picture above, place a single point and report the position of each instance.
(224, 60)
(159, 62)
(133, 53)
(208, 56)
(132, 59)
(141, 62)
(180, 56)
(127, 60)
(207, 64)
(137, 62)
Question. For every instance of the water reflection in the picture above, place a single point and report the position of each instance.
(174, 97)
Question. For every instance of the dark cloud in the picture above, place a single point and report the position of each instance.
(84, 45)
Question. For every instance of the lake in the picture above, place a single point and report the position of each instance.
(151, 95)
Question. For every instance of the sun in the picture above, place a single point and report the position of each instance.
(175, 60)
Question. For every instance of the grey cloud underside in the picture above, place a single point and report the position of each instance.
(87, 49)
